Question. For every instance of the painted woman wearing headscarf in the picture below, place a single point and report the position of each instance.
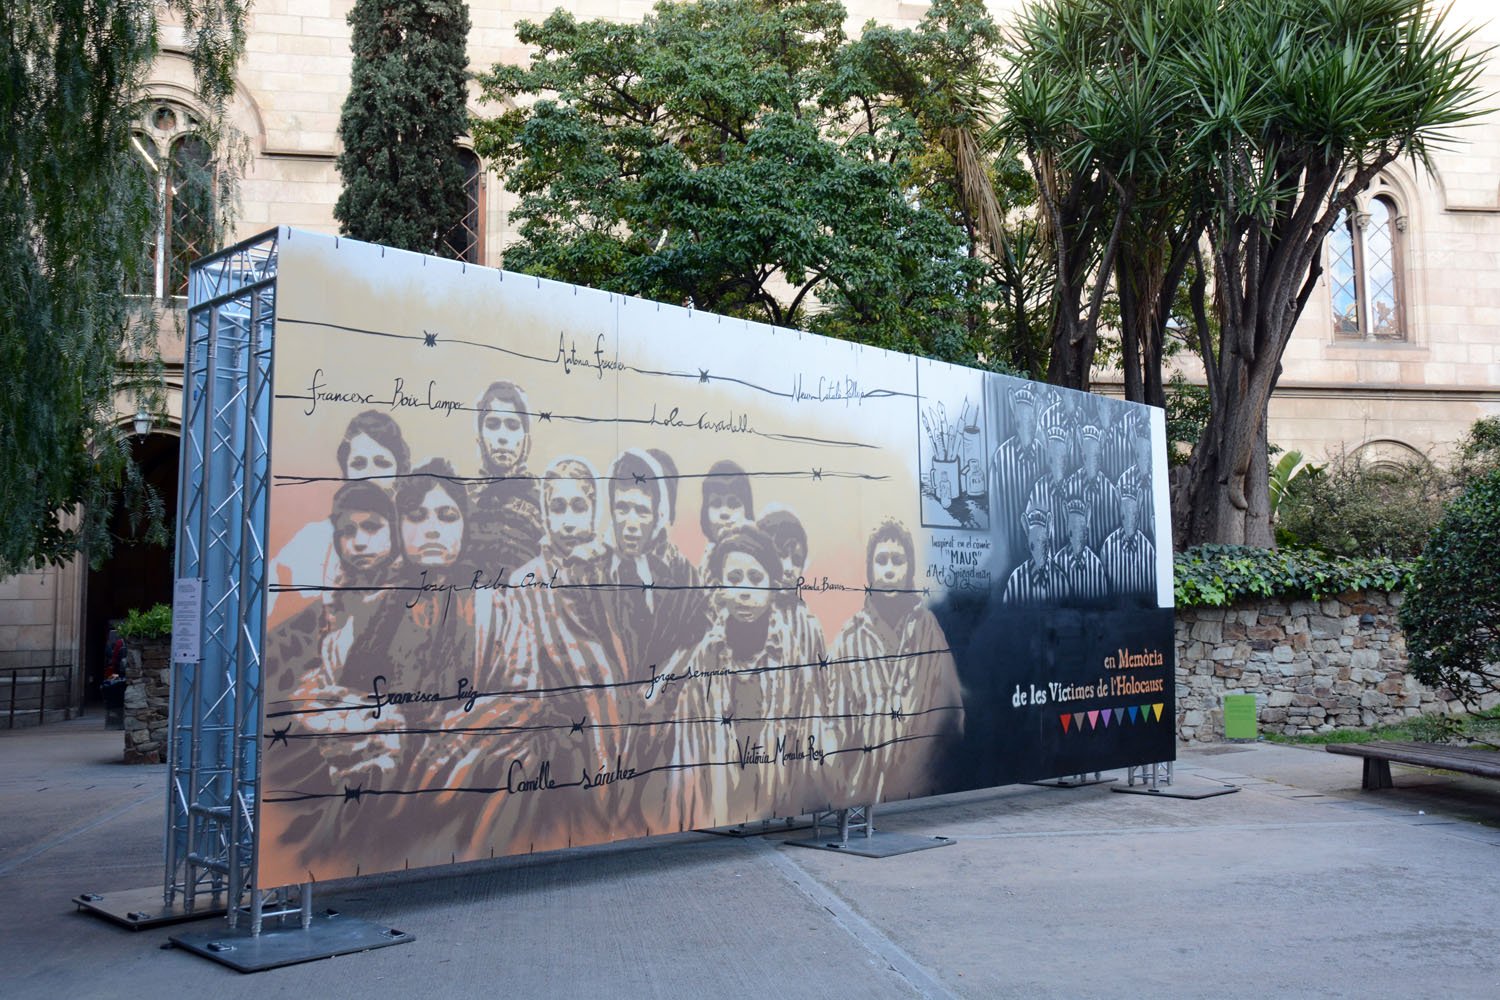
(548, 725)
(727, 503)
(898, 685)
(506, 526)
(655, 604)
(741, 731)
(432, 636)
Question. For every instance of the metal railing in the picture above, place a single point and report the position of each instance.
(25, 690)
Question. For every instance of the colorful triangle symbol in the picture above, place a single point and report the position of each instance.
(1158, 706)
(1145, 713)
(1094, 720)
(1078, 721)
(1106, 716)
(1131, 711)
(1066, 720)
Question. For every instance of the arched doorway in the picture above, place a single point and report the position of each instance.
(138, 573)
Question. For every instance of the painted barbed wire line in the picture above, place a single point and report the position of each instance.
(399, 400)
(813, 475)
(501, 581)
(567, 356)
(285, 736)
(464, 693)
(355, 794)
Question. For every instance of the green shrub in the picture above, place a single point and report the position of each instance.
(153, 623)
(1352, 508)
(1452, 611)
(1219, 575)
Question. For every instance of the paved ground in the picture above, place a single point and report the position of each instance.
(1298, 885)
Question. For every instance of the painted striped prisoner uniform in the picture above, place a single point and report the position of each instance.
(1029, 583)
(1130, 562)
(1080, 575)
(899, 682)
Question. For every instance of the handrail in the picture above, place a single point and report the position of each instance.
(48, 673)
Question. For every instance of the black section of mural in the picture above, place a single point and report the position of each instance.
(1024, 670)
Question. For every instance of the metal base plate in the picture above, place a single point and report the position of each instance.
(1176, 792)
(880, 844)
(761, 827)
(330, 934)
(1072, 782)
(139, 909)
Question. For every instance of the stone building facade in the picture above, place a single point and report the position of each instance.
(1396, 355)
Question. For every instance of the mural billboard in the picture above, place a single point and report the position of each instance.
(551, 567)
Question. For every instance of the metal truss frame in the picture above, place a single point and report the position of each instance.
(213, 755)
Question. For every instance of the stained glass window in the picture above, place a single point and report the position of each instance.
(190, 208)
(180, 166)
(1341, 278)
(1364, 274)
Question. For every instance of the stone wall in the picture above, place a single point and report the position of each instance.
(148, 673)
(1312, 666)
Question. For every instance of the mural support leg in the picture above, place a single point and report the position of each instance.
(1156, 779)
(861, 820)
(1078, 780)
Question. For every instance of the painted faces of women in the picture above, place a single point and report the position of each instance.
(501, 436)
(363, 540)
(570, 512)
(368, 458)
(432, 533)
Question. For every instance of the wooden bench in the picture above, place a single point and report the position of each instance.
(1378, 757)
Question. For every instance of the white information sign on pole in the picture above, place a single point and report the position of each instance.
(187, 620)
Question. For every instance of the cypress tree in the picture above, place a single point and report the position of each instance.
(403, 183)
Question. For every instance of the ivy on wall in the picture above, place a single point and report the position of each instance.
(1220, 575)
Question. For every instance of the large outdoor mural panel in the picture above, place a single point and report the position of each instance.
(550, 567)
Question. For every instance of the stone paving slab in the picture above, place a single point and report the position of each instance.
(1299, 885)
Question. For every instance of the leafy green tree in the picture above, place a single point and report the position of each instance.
(746, 156)
(403, 180)
(1308, 101)
(1094, 98)
(76, 214)
(1452, 612)
(1155, 126)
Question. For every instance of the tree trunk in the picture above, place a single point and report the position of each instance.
(1226, 498)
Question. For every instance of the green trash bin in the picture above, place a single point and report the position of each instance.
(1240, 717)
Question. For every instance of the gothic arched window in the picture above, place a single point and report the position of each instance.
(180, 165)
(1365, 273)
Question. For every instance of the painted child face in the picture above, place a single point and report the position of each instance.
(367, 458)
(570, 512)
(363, 539)
(634, 513)
(432, 533)
(501, 435)
(746, 582)
(793, 563)
(890, 567)
(724, 512)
